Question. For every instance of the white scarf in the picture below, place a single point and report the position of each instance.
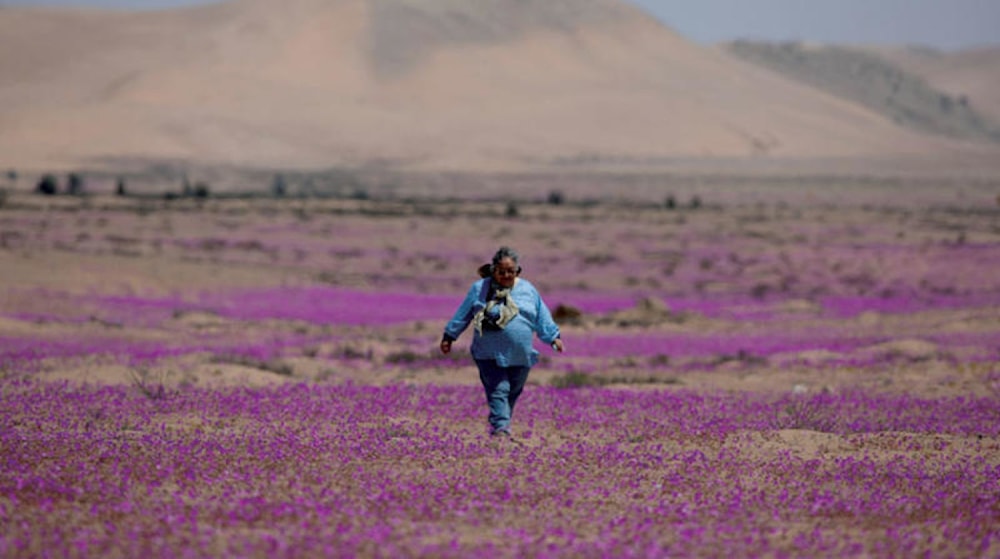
(508, 310)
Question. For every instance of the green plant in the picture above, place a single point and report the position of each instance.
(275, 366)
(807, 414)
(149, 383)
(404, 356)
(350, 352)
(576, 379)
(326, 375)
(659, 360)
(566, 314)
(649, 379)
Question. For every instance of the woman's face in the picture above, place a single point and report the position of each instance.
(505, 272)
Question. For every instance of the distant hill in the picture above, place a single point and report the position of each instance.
(415, 84)
(973, 74)
(877, 82)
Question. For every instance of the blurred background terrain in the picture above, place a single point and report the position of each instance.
(493, 86)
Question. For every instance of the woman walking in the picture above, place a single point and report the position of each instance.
(505, 311)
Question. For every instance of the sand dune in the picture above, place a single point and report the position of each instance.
(425, 85)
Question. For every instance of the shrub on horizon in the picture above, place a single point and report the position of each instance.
(47, 185)
(511, 210)
(202, 190)
(279, 187)
(74, 184)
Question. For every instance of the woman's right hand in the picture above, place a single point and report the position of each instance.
(445, 346)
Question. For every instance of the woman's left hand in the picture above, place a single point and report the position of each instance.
(558, 345)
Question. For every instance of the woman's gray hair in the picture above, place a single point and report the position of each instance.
(506, 252)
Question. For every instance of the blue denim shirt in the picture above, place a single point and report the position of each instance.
(512, 346)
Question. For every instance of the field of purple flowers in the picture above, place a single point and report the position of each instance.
(259, 378)
(347, 469)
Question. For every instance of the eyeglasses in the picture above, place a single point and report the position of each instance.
(503, 272)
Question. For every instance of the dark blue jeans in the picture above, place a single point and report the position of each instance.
(503, 385)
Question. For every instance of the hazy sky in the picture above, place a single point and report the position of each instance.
(944, 24)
